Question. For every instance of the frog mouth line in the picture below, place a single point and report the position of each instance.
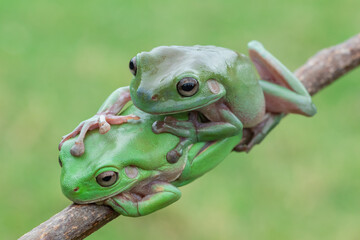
(181, 111)
(99, 200)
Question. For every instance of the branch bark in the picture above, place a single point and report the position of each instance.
(329, 64)
(79, 221)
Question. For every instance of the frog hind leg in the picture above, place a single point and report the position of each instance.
(283, 92)
(156, 196)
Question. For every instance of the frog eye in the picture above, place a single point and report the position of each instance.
(188, 86)
(132, 66)
(107, 179)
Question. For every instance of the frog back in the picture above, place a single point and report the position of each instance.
(244, 95)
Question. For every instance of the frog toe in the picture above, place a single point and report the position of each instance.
(77, 149)
(158, 127)
(173, 156)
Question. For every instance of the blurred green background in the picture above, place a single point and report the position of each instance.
(60, 59)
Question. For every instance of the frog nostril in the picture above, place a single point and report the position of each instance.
(155, 97)
(76, 189)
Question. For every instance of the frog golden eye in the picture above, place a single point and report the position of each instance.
(188, 86)
(107, 179)
(132, 66)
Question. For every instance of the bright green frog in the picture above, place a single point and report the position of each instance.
(218, 83)
(127, 167)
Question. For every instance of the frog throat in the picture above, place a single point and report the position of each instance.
(105, 197)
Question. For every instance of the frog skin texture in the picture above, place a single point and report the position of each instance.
(219, 84)
(127, 168)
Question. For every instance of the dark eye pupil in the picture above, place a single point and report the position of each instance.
(131, 65)
(107, 178)
(188, 86)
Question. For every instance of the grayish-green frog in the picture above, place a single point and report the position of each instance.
(219, 84)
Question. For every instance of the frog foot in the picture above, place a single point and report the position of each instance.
(185, 130)
(254, 135)
(125, 203)
(151, 198)
(174, 155)
(101, 121)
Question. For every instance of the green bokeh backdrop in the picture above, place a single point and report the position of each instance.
(60, 59)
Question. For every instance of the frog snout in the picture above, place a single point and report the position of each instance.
(145, 95)
(70, 188)
(155, 97)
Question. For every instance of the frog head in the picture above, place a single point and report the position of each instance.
(118, 161)
(96, 179)
(172, 79)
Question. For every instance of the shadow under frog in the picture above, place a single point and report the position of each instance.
(127, 168)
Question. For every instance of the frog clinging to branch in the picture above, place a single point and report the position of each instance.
(220, 85)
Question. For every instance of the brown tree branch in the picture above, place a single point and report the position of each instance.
(74, 222)
(329, 64)
(79, 221)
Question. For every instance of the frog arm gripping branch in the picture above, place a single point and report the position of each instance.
(106, 115)
(156, 196)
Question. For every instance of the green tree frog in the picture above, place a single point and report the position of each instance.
(218, 83)
(127, 168)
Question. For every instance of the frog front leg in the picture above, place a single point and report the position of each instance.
(106, 116)
(156, 196)
(193, 131)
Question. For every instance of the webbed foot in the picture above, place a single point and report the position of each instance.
(254, 135)
(101, 121)
(153, 197)
(125, 203)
